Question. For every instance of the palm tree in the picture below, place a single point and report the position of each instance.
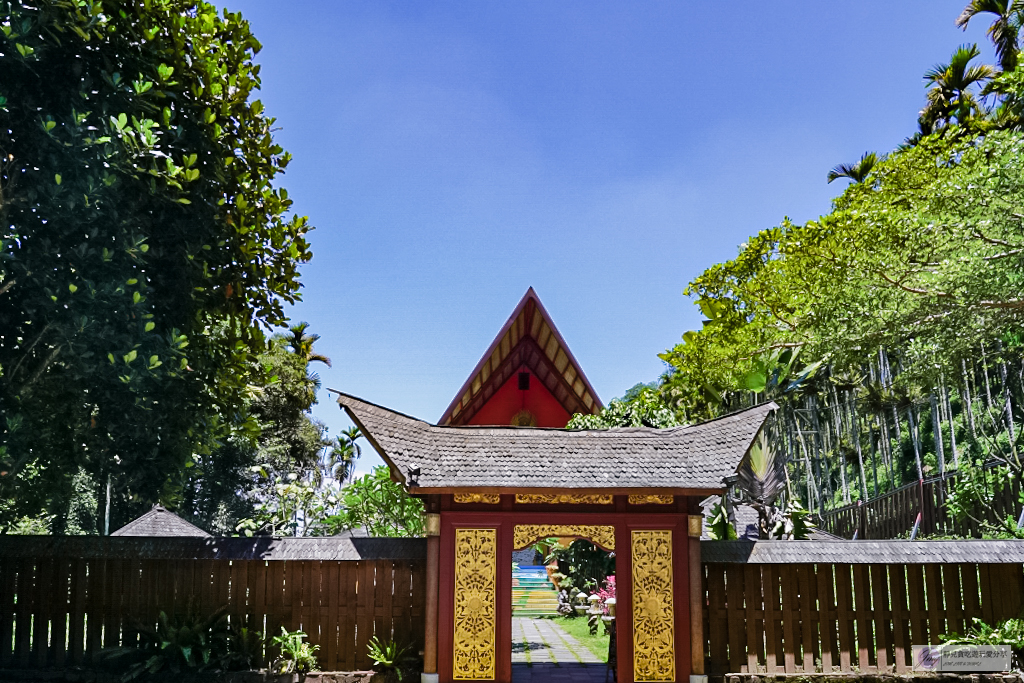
(301, 344)
(1004, 30)
(950, 97)
(353, 435)
(341, 460)
(856, 172)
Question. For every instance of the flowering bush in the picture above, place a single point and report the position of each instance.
(608, 591)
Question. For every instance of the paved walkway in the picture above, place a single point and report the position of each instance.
(543, 651)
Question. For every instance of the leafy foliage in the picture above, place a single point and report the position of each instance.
(296, 655)
(389, 658)
(720, 527)
(642, 406)
(379, 505)
(585, 566)
(795, 525)
(188, 642)
(1009, 632)
(143, 246)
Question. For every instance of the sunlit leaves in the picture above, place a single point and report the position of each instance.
(136, 147)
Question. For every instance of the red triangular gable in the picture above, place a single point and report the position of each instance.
(529, 344)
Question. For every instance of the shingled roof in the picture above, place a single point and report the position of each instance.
(160, 522)
(693, 458)
(862, 552)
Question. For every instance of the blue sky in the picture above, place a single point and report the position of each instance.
(453, 154)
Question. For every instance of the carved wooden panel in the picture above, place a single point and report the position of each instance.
(654, 657)
(601, 535)
(650, 500)
(563, 499)
(489, 498)
(476, 573)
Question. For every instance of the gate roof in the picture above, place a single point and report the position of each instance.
(436, 459)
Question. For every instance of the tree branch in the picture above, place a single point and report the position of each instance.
(912, 290)
(992, 240)
(1011, 304)
(994, 257)
(40, 370)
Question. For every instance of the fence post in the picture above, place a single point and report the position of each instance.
(862, 520)
(920, 504)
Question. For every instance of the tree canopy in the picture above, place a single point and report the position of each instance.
(144, 247)
(891, 329)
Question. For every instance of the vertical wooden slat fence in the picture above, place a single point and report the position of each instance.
(768, 612)
(62, 600)
(892, 514)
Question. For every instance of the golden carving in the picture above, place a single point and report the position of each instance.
(489, 498)
(525, 534)
(695, 525)
(476, 554)
(654, 656)
(650, 500)
(561, 499)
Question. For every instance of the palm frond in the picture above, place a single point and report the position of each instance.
(998, 7)
(1004, 30)
(762, 475)
(857, 172)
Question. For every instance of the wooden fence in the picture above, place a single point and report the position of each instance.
(64, 599)
(893, 514)
(770, 606)
(784, 612)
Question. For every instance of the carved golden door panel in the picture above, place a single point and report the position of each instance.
(654, 657)
(476, 573)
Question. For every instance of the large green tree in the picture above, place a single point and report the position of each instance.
(144, 248)
(244, 471)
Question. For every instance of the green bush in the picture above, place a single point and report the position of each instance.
(184, 642)
(389, 658)
(296, 656)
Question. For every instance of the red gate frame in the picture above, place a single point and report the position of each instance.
(504, 520)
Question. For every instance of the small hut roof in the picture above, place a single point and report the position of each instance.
(429, 458)
(160, 522)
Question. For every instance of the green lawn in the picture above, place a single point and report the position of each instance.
(578, 629)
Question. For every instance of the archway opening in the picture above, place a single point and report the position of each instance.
(563, 602)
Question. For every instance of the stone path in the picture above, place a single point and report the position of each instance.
(543, 651)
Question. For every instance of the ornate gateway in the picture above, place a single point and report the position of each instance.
(476, 553)
(653, 614)
(635, 492)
